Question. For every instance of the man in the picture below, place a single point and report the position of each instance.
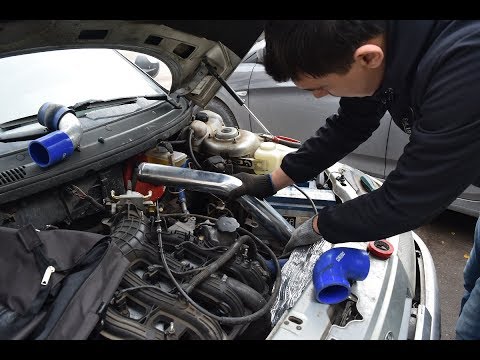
(427, 75)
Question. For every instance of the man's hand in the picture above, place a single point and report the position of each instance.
(260, 186)
(305, 234)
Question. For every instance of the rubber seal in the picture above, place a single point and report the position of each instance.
(381, 249)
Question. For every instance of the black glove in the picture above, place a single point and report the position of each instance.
(260, 186)
(302, 236)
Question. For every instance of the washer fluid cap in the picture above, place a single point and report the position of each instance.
(227, 224)
(267, 146)
(381, 249)
(227, 133)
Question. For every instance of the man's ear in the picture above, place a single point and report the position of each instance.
(369, 55)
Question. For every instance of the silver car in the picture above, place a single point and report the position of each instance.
(91, 143)
(289, 111)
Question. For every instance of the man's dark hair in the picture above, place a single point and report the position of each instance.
(314, 47)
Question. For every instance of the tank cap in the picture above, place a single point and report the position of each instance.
(160, 149)
(267, 145)
(227, 224)
(201, 116)
(227, 133)
(381, 249)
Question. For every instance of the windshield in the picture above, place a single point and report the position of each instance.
(67, 77)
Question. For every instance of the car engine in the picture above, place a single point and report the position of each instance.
(201, 267)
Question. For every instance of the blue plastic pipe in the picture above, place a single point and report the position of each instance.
(335, 269)
(62, 141)
(271, 265)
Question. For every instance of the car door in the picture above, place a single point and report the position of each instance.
(286, 110)
(468, 202)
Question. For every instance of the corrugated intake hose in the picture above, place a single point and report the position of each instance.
(251, 298)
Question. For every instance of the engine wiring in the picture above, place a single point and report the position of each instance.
(76, 191)
(221, 319)
(308, 198)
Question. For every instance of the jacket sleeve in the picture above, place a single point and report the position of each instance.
(440, 161)
(355, 122)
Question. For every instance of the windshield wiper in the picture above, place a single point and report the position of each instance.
(12, 124)
(28, 128)
(94, 103)
(24, 132)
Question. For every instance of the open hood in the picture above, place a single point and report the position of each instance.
(182, 45)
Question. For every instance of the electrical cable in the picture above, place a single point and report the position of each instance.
(308, 198)
(214, 266)
(223, 319)
(117, 295)
(75, 190)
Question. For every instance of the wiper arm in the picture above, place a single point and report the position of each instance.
(28, 128)
(12, 124)
(94, 103)
(25, 132)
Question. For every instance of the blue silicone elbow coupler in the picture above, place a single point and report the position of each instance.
(335, 269)
(51, 148)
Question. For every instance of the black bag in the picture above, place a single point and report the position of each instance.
(55, 284)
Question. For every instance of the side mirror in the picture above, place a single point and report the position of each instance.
(151, 68)
(260, 55)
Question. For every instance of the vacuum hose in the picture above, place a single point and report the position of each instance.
(60, 143)
(335, 269)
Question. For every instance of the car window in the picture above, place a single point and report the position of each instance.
(67, 77)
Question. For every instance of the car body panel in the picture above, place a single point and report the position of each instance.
(468, 202)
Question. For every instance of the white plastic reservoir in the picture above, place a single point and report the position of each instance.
(268, 157)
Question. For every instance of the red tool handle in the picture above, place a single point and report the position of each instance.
(279, 137)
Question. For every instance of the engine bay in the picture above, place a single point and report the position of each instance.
(202, 267)
(197, 270)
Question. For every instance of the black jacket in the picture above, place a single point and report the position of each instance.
(432, 90)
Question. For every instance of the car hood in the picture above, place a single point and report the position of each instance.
(182, 45)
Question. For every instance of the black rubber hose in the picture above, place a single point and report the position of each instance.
(217, 264)
(190, 149)
(262, 262)
(224, 319)
(249, 296)
(177, 142)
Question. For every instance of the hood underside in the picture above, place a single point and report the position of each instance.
(181, 44)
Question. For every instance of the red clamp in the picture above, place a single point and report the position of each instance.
(381, 249)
